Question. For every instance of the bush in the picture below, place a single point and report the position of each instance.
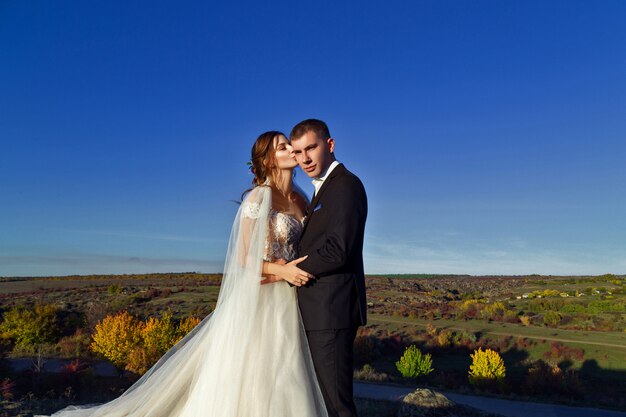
(487, 368)
(185, 326)
(596, 307)
(559, 351)
(431, 330)
(75, 346)
(134, 345)
(116, 336)
(551, 318)
(544, 379)
(114, 289)
(157, 337)
(28, 328)
(413, 364)
(368, 373)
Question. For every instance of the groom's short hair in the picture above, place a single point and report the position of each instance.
(310, 125)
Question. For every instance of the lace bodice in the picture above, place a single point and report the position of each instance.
(282, 238)
(283, 234)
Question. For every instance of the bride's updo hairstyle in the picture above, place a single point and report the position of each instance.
(263, 158)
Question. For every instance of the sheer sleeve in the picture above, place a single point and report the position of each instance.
(244, 257)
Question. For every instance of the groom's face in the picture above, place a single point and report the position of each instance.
(313, 153)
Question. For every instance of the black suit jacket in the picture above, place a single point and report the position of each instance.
(333, 240)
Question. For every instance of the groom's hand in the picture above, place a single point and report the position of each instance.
(295, 276)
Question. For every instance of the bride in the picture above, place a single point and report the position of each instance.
(249, 357)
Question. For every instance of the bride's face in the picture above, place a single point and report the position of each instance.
(285, 158)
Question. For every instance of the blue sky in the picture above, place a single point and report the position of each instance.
(490, 135)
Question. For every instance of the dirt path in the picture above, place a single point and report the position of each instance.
(556, 339)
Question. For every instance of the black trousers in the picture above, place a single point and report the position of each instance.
(333, 358)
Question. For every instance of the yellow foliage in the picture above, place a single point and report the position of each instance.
(468, 304)
(158, 335)
(135, 345)
(443, 339)
(526, 320)
(115, 337)
(186, 325)
(493, 310)
(487, 367)
(138, 361)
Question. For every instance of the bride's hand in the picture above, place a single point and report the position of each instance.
(294, 275)
(269, 278)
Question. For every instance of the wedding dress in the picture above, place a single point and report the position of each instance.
(250, 356)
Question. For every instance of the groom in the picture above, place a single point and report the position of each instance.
(332, 305)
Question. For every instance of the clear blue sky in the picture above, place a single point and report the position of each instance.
(490, 135)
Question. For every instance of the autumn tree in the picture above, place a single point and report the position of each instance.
(28, 328)
(487, 368)
(134, 345)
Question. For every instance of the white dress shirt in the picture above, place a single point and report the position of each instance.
(317, 182)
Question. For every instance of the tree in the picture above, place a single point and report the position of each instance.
(116, 336)
(28, 328)
(551, 318)
(413, 364)
(487, 368)
(135, 345)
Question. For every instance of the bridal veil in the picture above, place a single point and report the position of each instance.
(248, 358)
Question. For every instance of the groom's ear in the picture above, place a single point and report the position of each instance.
(331, 144)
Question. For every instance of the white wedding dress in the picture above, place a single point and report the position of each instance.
(250, 357)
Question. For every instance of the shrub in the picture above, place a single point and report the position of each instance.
(158, 335)
(544, 379)
(559, 351)
(134, 345)
(431, 330)
(596, 307)
(368, 373)
(116, 336)
(467, 338)
(493, 311)
(510, 316)
(185, 326)
(413, 364)
(114, 289)
(76, 345)
(487, 368)
(551, 318)
(28, 328)
(152, 293)
(444, 338)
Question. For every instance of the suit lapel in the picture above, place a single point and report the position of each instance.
(310, 210)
